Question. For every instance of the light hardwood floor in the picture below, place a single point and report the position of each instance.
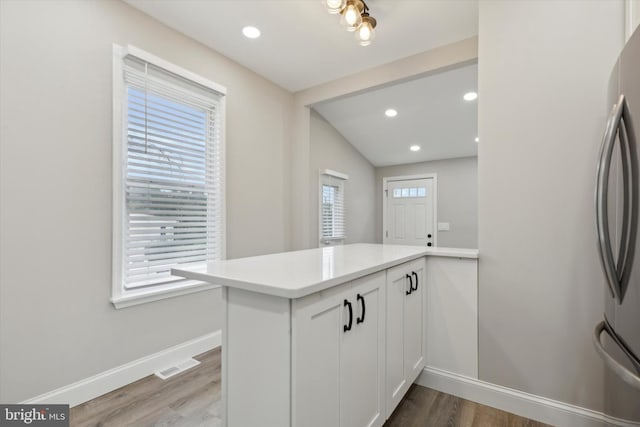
(192, 399)
(423, 407)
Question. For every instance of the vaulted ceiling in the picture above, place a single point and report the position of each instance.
(302, 46)
(431, 114)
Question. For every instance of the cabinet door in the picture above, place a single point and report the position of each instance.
(362, 356)
(414, 323)
(405, 333)
(318, 323)
(396, 384)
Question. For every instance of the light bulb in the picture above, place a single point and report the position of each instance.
(335, 6)
(351, 15)
(351, 18)
(365, 32)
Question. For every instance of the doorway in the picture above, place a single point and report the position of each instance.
(409, 211)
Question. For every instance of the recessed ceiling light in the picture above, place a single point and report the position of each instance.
(391, 112)
(470, 96)
(477, 139)
(251, 32)
(414, 148)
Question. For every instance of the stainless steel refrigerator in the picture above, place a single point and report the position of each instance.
(617, 336)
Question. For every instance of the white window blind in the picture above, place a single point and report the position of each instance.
(172, 174)
(332, 212)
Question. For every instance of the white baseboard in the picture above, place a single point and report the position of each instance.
(104, 382)
(528, 405)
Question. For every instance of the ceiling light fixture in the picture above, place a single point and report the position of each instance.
(251, 32)
(391, 112)
(477, 139)
(414, 148)
(470, 96)
(355, 17)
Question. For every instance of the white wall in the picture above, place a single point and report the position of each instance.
(543, 75)
(457, 197)
(632, 17)
(328, 149)
(57, 325)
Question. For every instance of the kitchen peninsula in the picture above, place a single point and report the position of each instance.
(331, 336)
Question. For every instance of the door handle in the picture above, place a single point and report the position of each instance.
(618, 274)
(362, 304)
(347, 327)
(416, 276)
(628, 147)
(630, 204)
(620, 370)
(601, 199)
(410, 285)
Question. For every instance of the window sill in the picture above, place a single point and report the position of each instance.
(143, 296)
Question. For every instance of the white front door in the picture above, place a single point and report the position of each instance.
(410, 216)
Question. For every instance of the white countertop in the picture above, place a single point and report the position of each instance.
(299, 273)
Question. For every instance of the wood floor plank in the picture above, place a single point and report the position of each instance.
(192, 399)
(423, 407)
(467, 414)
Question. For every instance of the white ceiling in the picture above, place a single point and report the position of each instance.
(302, 46)
(431, 113)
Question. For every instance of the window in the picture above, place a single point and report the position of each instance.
(332, 213)
(168, 176)
(409, 192)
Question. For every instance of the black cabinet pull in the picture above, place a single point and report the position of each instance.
(347, 327)
(416, 275)
(410, 285)
(429, 244)
(361, 318)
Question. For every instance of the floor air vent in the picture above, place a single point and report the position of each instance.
(176, 369)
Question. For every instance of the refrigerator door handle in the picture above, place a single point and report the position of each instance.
(620, 370)
(602, 186)
(628, 147)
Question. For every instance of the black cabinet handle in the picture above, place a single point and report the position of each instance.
(347, 327)
(410, 285)
(361, 318)
(416, 275)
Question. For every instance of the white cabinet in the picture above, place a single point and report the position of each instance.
(405, 312)
(335, 336)
(338, 355)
